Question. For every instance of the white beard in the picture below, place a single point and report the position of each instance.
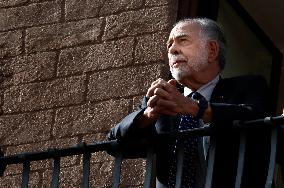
(180, 72)
(194, 64)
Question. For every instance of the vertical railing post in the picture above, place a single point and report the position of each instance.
(2, 164)
(86, 170)
(26, 174)
(272, 161)
(56, 172)
(210, 167)
(149, 168)
(241, 159)
(180, 159)
(117, 170)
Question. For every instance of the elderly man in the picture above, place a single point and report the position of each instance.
(196, 53)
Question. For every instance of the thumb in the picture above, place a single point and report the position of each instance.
(173, 82)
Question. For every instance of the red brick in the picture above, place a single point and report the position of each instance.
(35, 165)
(69, 177)
(90, 118)
(137, 22)
(96, 137)
(135, 176)
(10, 181)
(8, 3)
(152, 50)
(99, 157)
(15, 181)
(123, 82)
(96, 57)
(10, 43)
(25, 128)
(31, 15)
(57, 36)
(38, 1)
(25, 69)
(114, 6)
(13, 169)
(160, 2)
(78, 9)
(44, 95)
(101, 174)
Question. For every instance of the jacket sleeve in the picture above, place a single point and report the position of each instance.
(247, 100)
(134, 140)
(127, 128)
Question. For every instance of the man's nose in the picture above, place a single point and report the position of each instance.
(174, 49)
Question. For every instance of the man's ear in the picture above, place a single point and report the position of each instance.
(213, 51)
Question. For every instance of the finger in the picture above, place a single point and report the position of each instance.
(161, 110)
(173, 82)
(152, 101)
(167, 104)
(169, 87)
(151, 112)
(168, 112)
(157, 84)
(162, 93)
(156, 81)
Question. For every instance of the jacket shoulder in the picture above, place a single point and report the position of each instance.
(245, 78)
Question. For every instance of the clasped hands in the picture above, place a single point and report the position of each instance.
(164, 98)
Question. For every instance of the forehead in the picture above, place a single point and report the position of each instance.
(185, 29)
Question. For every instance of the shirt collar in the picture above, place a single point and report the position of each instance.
(205, 90)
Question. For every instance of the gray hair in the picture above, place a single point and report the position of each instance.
(210, 30)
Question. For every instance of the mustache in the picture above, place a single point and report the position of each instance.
(174, 58)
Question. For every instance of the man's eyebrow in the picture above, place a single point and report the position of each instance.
(177, 36)
(182, 35)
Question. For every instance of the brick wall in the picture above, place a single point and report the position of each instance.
(69, 71)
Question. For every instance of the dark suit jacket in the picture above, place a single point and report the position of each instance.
(238, 98)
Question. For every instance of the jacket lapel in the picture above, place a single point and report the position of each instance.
(218, 92)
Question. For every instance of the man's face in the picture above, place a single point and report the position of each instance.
(187, 53)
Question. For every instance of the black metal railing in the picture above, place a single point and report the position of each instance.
(276, 125)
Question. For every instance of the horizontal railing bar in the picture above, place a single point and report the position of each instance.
(63, 152)
(83, 147)
(265, 122)
(114, 144)
(105, 145)
(206, 131)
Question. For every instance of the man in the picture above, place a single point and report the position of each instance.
(196, 53)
